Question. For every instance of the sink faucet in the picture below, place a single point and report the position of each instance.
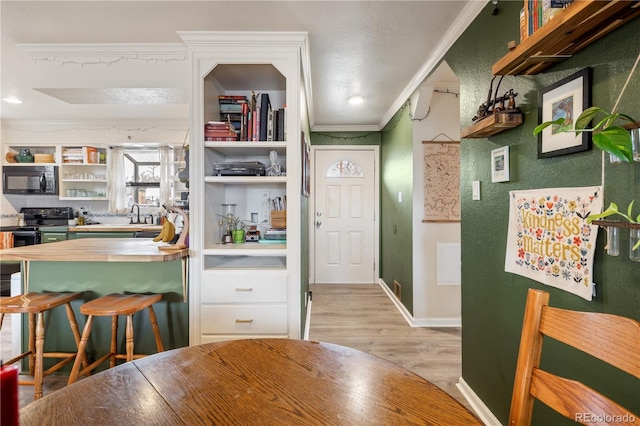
(132, 207)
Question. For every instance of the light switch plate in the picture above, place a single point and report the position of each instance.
(475, 190)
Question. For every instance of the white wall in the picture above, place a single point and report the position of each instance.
(433, 305)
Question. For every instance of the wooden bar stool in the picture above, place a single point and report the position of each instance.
(36, 304)
(114, 305)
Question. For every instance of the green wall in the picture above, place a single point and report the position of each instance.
(492, 300)
(396, 224)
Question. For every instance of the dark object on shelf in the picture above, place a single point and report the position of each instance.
(495, 104)
(239, 168)
(496, 114)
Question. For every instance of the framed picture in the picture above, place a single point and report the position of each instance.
(500, 164)
(567, 99)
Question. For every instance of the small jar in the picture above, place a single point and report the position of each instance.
(634, 244)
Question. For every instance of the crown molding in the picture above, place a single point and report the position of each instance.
(104, 53)
(466, 17)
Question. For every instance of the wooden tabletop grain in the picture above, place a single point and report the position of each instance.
(252, 382)
(95, 250)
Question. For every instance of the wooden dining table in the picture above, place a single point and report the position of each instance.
(252, 382)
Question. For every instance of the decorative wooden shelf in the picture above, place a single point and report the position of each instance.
(492, 124)
(616, 224)
(570, 31)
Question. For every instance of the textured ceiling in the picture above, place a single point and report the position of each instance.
(381, 50)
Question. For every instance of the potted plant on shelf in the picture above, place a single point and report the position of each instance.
(236, 227)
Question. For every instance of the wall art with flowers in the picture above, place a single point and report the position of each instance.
(549, 240)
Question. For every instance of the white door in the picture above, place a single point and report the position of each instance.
(344, 222)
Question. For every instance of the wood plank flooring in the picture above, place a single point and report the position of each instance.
(364, 318)
(358, 316)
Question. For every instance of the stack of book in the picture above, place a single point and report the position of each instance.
(253, 119)
(231, 110)
(80, 155)
(536, 13)
(220, 131)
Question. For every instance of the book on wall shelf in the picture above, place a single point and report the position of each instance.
(536, 13)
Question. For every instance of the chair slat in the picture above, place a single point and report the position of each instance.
(597, 334)
(578, 402)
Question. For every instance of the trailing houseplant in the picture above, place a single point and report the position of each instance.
(607, 136)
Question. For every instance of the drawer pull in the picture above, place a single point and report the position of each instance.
(244, 289)
(244, 321)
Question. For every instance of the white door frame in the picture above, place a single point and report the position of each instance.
(312, 204)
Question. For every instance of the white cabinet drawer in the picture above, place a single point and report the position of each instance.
(243, 319)
(260, 286)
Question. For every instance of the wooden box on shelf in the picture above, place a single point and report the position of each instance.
(492, 124)
(279, 219)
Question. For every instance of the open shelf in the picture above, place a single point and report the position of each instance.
(492, 124)
(570, 31)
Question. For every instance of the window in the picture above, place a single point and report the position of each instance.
(344, 168)
(142, 176)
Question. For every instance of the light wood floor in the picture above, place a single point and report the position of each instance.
(364, 318)
(358, 316)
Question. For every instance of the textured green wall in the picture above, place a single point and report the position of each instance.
(492, 300)
(396, 229)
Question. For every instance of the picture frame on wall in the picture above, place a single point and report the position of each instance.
(567, 99)
(500, 164)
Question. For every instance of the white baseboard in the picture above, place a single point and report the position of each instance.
(307, 321)
(477, 405)
(420, 322)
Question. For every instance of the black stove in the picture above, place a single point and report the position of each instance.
(34, 219)
(47, 216)
(29, 234)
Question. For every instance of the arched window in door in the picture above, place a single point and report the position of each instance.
(344, 168)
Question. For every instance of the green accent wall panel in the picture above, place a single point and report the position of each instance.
(493, 300)
(396, 229)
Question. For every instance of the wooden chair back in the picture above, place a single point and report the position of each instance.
(610, 338)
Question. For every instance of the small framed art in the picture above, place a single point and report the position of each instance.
(500, 164)
(566, 99)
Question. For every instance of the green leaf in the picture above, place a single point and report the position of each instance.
(615, 140)
(586, 116)
(540, 127)
(629, 208)
(612, 209)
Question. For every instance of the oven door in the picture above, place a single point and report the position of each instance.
(25, 238)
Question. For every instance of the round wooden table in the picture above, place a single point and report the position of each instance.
(252, 382)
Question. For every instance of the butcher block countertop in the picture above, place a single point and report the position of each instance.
(96, 250)
(106, 227)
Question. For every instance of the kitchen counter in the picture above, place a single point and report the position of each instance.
(100, 266)
(107, 227)
(95, 250)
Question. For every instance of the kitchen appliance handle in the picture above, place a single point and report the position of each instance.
(43, 182)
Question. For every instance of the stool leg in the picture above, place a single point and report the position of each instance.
(114, 340)
(37, 378)
(156, 330)
(76, 334)
(1, 320)
(32, 343)
(129, 335)
(81, 349)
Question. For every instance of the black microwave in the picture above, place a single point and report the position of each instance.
(30, 180)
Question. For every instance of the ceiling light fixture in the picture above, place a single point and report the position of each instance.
(12, 100)
(355, 100)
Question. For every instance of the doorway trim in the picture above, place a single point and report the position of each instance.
(376, 194)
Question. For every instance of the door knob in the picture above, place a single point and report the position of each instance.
(318, 223)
